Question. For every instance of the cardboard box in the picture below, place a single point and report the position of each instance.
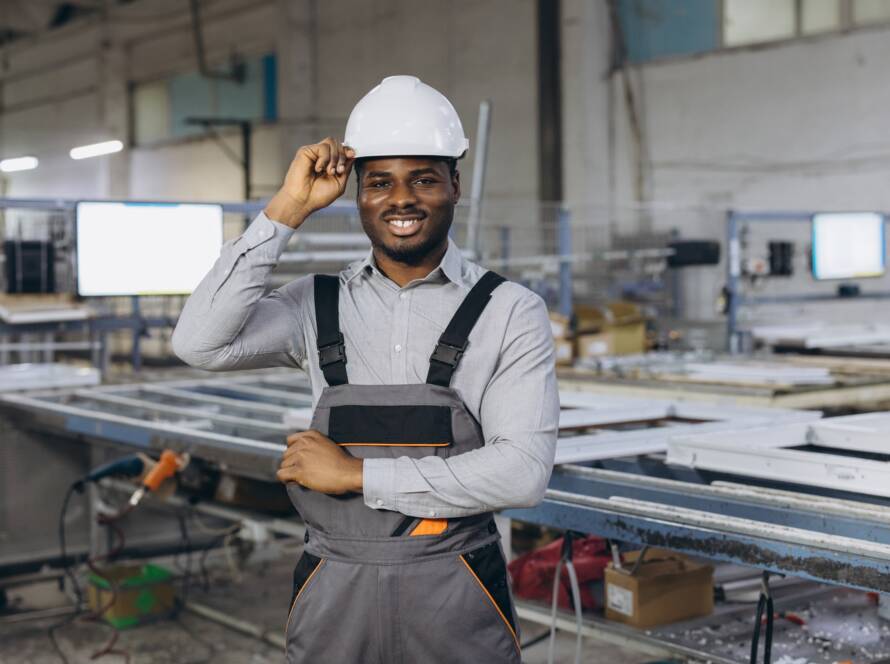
(625, 340)
(628, 339)
(560, 326)
(615, 329)
(664, 588)
(589, 318)
(565, 352)
(254, 495)
(594, 344)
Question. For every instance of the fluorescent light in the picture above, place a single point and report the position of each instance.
(96, 149)
(18, 164)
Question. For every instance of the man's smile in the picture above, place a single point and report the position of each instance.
(404, 225)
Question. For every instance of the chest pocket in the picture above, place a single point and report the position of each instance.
(391, 426)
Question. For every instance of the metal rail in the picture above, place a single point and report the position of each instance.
(238, 423)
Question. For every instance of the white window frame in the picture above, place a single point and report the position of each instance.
(595, 410)
(764, 453)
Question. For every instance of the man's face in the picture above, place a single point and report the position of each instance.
(407, 204)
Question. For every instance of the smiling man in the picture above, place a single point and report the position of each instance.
(435, 399)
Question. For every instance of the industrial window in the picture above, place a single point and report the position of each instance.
(654, 29)
(658, 29)
(161, 108)
(754, 21)
(871, 11)
(820, 16)
(758, 21)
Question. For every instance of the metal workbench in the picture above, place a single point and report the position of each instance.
(659, 377)
(237, 423)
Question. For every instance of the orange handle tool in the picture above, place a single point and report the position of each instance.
(166, 467)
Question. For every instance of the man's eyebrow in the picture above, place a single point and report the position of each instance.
(420, 171)
(414, 173)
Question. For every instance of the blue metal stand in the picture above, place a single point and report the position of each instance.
(736, 299)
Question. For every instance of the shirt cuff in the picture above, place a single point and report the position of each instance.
(379, 483)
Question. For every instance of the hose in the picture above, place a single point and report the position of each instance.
(764, 604)
(566, 558)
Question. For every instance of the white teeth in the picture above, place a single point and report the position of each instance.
(403, 223)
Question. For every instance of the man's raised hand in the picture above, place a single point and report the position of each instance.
(317, 177)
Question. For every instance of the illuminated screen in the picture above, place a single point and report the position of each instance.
(145, 248)
(848, 245)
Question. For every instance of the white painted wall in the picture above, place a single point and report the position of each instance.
(800, 125)
(68, 87)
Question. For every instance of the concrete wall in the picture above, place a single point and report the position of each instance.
(799, 125)
(69, 87)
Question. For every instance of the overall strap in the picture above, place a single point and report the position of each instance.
(453, 342)
(331, 349)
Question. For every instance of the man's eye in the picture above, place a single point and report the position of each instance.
(378, 185)
(425, 181)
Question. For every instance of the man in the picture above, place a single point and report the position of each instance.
(434, 392)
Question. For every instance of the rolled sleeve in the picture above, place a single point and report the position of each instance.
(229, 321)
(387, 481)
(379, 483)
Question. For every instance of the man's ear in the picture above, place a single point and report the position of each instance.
(455, 183)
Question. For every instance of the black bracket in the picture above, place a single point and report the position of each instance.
(332, 353)
(448, 354)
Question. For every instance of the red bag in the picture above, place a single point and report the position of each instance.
(532, 573)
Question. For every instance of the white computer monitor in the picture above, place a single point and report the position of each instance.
(135, 248)
(848, 245)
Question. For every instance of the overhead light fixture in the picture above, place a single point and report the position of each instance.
(18, 164)
(96, 149)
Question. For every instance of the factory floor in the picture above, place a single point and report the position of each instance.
(194, 640)
(841, 625)
(260, 596)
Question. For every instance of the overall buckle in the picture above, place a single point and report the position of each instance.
(448, 354)
(332, 353)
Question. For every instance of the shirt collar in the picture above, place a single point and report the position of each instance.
(451, 265)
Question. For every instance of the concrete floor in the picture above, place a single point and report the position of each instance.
(261, 597)
(840, 625)
(193, 640)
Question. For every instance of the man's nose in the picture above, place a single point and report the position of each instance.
(402, 195)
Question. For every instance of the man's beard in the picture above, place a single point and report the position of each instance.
(411, 253)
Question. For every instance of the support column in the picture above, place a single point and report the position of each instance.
(298, 88)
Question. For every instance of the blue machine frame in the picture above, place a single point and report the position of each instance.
(734, 295)
(831, 537)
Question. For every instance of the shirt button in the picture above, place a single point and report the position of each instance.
(402, 296)
(432, 513)
(379, 502)
(398, 348)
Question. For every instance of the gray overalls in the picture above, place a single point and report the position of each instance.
(376, 586)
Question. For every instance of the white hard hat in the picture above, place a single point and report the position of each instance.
(403, 116)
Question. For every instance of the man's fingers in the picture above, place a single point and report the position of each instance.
(289, 455)
(333, 166)
(294, 437)
(287, 475)
(343, 174)
(331, 162)
(304, 435)
(324, 157)
(347, 156)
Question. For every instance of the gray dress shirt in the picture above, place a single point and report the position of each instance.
(506, 378)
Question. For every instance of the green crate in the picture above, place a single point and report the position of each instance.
(144, 593)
